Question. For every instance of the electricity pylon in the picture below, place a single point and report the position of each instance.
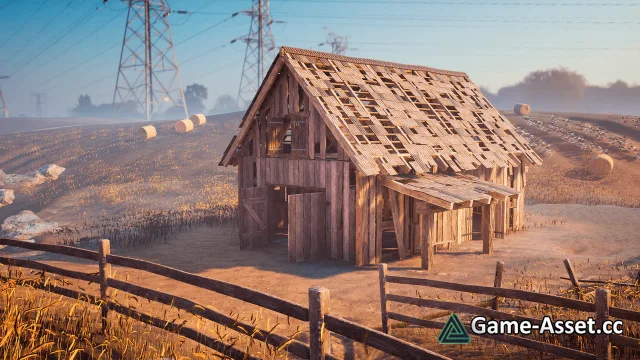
(148, 73)
(260, 49)
(4, 112)
(339, 44)
(41, 103)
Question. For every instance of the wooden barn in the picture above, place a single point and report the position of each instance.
(354, 158)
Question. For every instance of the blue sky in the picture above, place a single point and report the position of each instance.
(496, 42)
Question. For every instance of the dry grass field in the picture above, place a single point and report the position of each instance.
(165, 200)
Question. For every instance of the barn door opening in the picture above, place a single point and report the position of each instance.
(306, 218)
(253, 217)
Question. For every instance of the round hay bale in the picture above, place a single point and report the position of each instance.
(601, 165)
(522, 109)
(198, 119)
(184, 126)
(147, 132)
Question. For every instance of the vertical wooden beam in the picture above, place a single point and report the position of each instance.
(292, 228)
(384, 291)
(323, 140)
(427, 231)
(487, 227)
(373, 198)
(307, 220)
(311, 128)
(319, 338)
(378, 220)
(104, 249)
(360, 210)
(497, 282)
(603, 303)
(346, 212)
(397, 223)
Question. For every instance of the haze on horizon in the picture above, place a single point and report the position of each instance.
(507, 47)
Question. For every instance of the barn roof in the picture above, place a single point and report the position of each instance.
(389, 115)
(447, 191)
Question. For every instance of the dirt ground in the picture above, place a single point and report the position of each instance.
(588, 235)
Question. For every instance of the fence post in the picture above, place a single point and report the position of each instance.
(603, 303)
(319, 338)
(573, 277)
(497, 282)
(104, 249)
(384, 290)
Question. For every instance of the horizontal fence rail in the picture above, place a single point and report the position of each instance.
(187, 332)
(514, 340)
(56, 249)
(379, 340)
(236, 291)
(601, 308)
(319, 348)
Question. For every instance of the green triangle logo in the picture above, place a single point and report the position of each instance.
(453, 332)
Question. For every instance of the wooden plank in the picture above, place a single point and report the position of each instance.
(298, 348)
(603, 304)
(397, 222)
(321, 204)
(307, 219)
(427, 224)
(497, 282)
(321, 173)
(379, 211)
(373, 198)
(319, 337)
(338, 184)
(175, 328)
(502, 292)
(311, 138)
(293, 221)
(360, 193)
(352, 224)
(300, 227)
(30, 264)
(323, 140)
(346, 212)
(384, 291)
(313, 224)
(379, 340)
(460, 308)
(239, 292)
(487, 227)
(572, 274)
(416, 194)
(56, 249)
(332, 252)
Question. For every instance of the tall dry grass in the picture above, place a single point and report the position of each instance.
(35, 324)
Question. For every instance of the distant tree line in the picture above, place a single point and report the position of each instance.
(194, 95)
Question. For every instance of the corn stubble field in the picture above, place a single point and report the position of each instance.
(136, 193)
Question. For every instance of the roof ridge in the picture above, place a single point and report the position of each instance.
(331, 56)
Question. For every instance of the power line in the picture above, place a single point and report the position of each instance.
(473, 3)
(14, 56)
(65, 51)
(79, 21)
(454, 26)
(206, 29)
(76, 66)
(529, 19)
(19, 28)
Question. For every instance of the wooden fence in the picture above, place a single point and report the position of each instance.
(601, 307)
(317, 314)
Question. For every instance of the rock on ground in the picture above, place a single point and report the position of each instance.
(48, 172)
(25, 226)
